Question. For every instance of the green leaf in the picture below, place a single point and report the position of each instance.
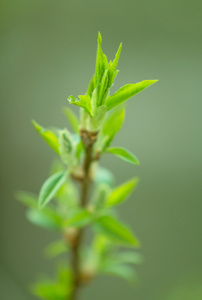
(103, 88)
(114, 229)
(126, 92)
(111, 126)
(101, 61)
(56, 248)
(80, 218)
(120, 270)
(122, 192)
(104, 176)
(66, 146)
(48, 136)
(72, 119)
(50, 187)
(28, 199)
(91, 86)
(43, 219)
(127, 257)
(124, 155)
(112, 69)
(83, 101)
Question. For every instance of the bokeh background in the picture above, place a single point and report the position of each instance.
(47, 53)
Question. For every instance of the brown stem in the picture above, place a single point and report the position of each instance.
(88, 139)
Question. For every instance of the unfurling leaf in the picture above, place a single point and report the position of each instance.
(50, 187)
(122, 192)
(117, 231)
(72, 119)
(124, 155)
(83, 101)
(126, 92)
(48, 136)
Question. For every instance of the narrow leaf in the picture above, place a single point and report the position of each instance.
(28, 199)
(112, 125)
(50, 187)
(91, 86)
(113, 66)
(80, 219)
(66, 146)
(124, 155)
(72, 119)
(126, 92)
(42, 219)
(114, 229)
(122, 192)
(48, 136)
(120, 270)
(128, 257)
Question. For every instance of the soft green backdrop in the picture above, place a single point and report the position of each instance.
(47, 53)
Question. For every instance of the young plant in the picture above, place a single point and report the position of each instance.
(79, 199)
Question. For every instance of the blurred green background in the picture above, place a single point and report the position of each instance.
(47, 53)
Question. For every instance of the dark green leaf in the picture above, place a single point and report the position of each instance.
(124, 155)
(72, 119)
(50, 187)
(126, 92)
(122, 192)
(114, 229)
(48, 136)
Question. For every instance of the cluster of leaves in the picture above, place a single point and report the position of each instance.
(57, 207)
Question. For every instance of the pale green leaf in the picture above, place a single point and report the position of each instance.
(100, 61)
(127, 257)
(28, 199)
(66, 146)
(72, 119)
(83, 101)
(50, 187)
(80, 218)
(111, 126)
(104, 176)
(124, 271)
(103, 88)
(43, 219)
(124, 155)
(117, 231)
(113, 66)
(56, 248)
(126, 92)
(122, 192)
(48, 136)
(91, 86)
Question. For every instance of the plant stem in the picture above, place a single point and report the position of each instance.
(88, 139)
